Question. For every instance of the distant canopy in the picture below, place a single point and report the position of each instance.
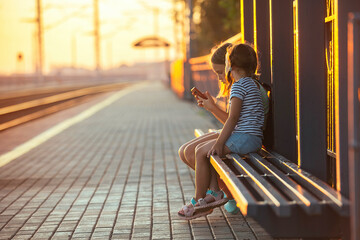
(151, 42)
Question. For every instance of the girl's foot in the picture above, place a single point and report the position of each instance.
(211, 200)
(231, 207)
(189, 212)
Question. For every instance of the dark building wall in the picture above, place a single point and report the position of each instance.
(263, 38)
(282, 79)
(248, 21)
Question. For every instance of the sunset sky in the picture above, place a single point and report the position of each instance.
(122, 23)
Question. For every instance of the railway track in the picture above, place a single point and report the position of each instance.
(19, 108)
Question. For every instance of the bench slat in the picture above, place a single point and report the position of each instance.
(300, 195)
(245, 201)
(198, 132)
(320, 189)
(278, 203)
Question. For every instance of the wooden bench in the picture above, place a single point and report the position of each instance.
(284, 199)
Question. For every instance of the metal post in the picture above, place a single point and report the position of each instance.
(109, 54)
(282, 78)
(156, 21)
(40, 41)
(311, 87)
(73, 51)
(176, 21)
(248, 20)
(97, 36)
(190, 30)
(187, 68)
(354, 122)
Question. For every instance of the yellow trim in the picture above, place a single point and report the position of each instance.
(200, 67)
(198, 132)
(296, 68)
(255, 29)
(271, 41)
(242, 23)
(330, 18)
(201, 59)
(337, 103)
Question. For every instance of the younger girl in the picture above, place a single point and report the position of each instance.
(242, 131)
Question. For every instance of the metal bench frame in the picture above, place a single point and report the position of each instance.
(284, 199)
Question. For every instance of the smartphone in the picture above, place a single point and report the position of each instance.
(196, 92)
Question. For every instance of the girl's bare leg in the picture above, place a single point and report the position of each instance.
(203, 170)
(187, 150)
(214, 185)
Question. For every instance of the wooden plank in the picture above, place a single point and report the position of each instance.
(300, 195)
(317, 187)
(198, 132)
(271, 195)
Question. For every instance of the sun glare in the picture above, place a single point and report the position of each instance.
(69, 33)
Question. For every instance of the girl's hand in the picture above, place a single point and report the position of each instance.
(208, 103)
(217, 148)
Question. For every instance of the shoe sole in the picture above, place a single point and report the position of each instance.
(211, 205)
(201, 213)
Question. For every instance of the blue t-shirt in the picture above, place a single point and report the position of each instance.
(251, 119)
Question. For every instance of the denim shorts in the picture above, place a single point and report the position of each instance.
(243, 143)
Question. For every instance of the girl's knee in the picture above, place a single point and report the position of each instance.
(182, 149)
(200, 152)
(188, 150)
(189, 153)
(181, 153)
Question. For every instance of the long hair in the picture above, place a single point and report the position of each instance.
(242, 56)
(218, 57)
(218, 53)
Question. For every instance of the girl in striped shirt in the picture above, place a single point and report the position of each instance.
(242, 131)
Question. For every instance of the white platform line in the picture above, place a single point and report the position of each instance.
(43, 137)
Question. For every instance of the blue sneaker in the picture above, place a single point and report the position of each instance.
(231, 207)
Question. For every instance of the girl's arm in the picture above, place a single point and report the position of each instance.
(234, 114)
(210, 105)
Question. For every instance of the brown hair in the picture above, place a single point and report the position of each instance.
(242, 56)
(218, 57)
(218, 53)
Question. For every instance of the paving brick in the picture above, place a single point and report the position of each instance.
(114, 175)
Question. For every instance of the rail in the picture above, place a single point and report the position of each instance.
(50, 104)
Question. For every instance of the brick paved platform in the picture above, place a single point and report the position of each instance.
(114, 175)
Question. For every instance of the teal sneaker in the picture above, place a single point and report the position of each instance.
(231, 207)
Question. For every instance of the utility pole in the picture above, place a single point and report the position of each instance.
(156, 21)
(40, 41)
(188, 84)
(97, 37)
(73, 51)
(189, 49)
(176, 26)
